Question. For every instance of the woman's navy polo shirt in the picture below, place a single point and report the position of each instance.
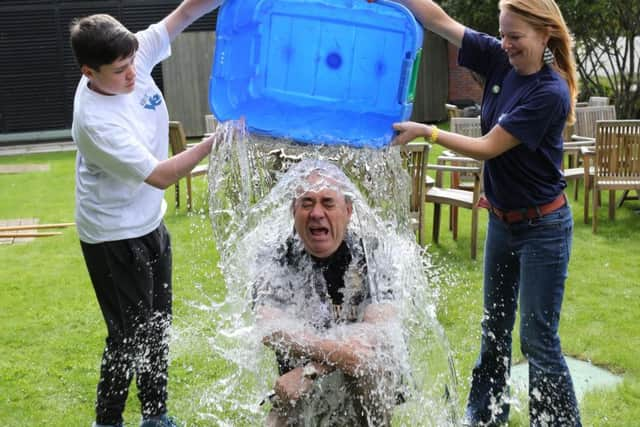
(534, 110)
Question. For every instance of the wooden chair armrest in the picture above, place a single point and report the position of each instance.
(452, 168)
(587, 151)
(453, 157)
(578, 145)
(457, 159)
(578, 138)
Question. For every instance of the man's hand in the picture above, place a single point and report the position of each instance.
(299, 344)
(351, 355)
(278, 340)
(293, 385)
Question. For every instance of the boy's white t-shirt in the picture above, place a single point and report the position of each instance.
(121, 139)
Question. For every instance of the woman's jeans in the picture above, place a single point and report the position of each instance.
(528, 258)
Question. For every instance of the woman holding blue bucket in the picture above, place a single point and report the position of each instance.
(530, 86)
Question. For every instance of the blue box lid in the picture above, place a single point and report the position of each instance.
(321, 72)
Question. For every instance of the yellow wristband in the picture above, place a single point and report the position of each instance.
(434, 134)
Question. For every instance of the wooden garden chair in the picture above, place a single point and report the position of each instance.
(178, 144)
(575, 170)
(594, 101)
(439, 195)
(425, 189)
(415, 156)
(469, 126)
(616, 163)
(586, 118)
(582, 134)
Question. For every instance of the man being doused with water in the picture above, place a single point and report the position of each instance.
(334, 328)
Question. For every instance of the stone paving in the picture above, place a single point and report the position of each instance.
(13, 222)
(585, 376)
(25, 168)
(44, 147)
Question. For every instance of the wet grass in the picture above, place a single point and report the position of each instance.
(52, 330)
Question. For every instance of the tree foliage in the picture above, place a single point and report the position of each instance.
(481, 15)
(608, 61)
(607, 37)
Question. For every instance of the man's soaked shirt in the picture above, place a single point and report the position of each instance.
(320, 292)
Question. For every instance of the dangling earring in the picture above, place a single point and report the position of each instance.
(548, 57)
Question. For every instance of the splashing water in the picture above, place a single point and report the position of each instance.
(250, 210)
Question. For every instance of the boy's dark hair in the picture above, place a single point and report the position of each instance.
(100, 39)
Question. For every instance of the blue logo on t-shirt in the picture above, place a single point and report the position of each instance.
(152, 102)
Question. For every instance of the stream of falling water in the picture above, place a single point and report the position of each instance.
(250, 210)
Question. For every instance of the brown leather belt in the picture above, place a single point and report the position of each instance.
(524, 213)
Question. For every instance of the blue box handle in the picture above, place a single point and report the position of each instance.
(409, 79)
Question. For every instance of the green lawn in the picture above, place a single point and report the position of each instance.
(52, 331)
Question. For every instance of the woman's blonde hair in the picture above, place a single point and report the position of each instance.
(545, 16)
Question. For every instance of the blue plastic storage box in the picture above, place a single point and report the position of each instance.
(321, 72)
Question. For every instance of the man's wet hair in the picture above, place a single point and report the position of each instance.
(100, 39)
(331, 177)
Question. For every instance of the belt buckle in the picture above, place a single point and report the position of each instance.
(539, 212)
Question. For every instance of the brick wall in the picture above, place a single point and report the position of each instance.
(461, 82)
